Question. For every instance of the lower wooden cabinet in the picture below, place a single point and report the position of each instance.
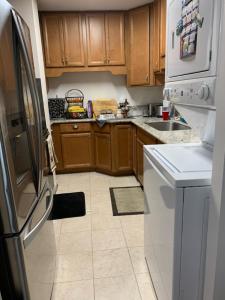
(56, 137)
(77, 151)
(103, 158)
(115, 149)
(143, 138)
(122, 149)
(140, 160)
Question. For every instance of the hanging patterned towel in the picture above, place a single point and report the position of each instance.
(52, 159)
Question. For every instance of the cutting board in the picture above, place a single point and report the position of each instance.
(101, 105)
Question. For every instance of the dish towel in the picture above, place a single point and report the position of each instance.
(52, 158)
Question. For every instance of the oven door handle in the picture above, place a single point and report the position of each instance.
(31, 235)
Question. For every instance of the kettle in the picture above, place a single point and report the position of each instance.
(158, 111)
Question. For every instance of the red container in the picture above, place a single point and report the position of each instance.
(165, 115)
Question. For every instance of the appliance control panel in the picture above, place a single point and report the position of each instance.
(195, 92)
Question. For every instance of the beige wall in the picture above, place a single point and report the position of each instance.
(103, 85)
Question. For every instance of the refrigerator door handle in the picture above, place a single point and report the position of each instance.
(31, 235)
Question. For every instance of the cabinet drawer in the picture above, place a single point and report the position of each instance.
(105, 129)
(75, 127)
(147, 139)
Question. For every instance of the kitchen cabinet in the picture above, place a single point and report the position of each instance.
(63, 39)
(114, 149)
(105, 39)
(77, 151)
(57, 146)
(73, 40)
(115, 40)
(158, 40)
(162, 34)
(143, 138)
(135, 150)
(122, 149)
(138, 47)
(156, 35)
(103, 157)
(83, 42)
(73, 146)
(96, 39)
(53, 40)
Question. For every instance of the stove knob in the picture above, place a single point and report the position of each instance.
(203, 92)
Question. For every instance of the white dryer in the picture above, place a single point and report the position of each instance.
(193, 28)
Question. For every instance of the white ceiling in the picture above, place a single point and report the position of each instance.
(67, 5)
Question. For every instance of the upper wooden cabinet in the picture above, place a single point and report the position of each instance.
(73, 40)
(96, 39)
(115, 42)
(156, 35)
(105, 39)
(163, 9)
(63, 40)
(53, 40)
(139, 46)
(159, 35)
(146, 44)
(84, 40)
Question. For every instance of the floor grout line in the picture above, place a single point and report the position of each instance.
(131, 263)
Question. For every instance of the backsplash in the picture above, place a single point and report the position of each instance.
(103, 85)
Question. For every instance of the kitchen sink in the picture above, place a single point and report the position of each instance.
(168, 126)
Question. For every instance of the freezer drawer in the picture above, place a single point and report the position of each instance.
(28, 260)
(40, 249)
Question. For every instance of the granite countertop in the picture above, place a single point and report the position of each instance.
(167, 137)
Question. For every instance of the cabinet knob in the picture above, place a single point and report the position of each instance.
(75, 126)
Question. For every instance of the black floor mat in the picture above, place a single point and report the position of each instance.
(68, 205)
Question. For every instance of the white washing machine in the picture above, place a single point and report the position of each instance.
(177, 181)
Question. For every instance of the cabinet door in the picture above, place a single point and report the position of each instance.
(57, 146)
(156, 35)
(140, 160)
(73, 40)
(139, 46)
(122, 143)
(77, 151)
(135, 150)
(115, 46)
(53, 40)
(103, 151)
(162, 34)
(143, 138)
(96, 41)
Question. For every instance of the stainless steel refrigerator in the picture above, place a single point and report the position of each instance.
(27, 242)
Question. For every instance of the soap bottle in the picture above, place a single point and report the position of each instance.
(89, 109)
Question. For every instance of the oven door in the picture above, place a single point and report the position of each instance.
(40, 249)
(163, 222)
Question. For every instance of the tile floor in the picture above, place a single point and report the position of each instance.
(100, 256)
